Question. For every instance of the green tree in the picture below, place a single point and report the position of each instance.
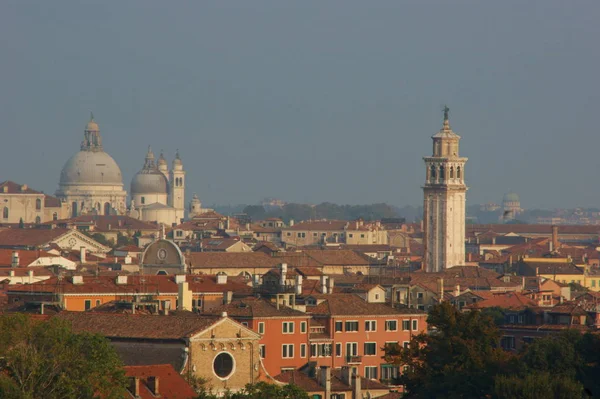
(123, 240)
(537, 385)
(101, 239)
(256, 212)
(45, 359)
(458, 360)
(263, 390)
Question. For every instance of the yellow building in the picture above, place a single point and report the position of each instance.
(563, 270)
(21, 203)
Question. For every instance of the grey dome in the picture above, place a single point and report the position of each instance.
(511, 197)
(149, 182)
(91, 168)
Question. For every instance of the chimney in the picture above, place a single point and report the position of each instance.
(441, 289)
(134, 386)
(356, 385)
(82, 255)
(326, 380)
(77, 280)
(283, 270)
(153, 385)
(184, 296)
(330, 285)
(555, 243)
(291, 222)
(121, 280)
(457, 290)
(179, 278)
(12, 273)
(15, 259)
(324, 284)
(256, 280)
(30, 275)
(221, 278)
(228, 297)
(298, 284)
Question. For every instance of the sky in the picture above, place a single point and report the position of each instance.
(309, 101)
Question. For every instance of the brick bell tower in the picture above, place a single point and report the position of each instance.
(444, 199)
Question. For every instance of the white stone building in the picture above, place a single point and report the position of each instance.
(157, 194)
(444, 198)
(91, 181)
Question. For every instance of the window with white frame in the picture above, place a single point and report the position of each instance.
(288, 327)
(370, 348)
(262, 350)
(371, 325)
(415, 325)
(351, 326)
(389, 372)
(351, 349)
(302, 326)
(339, 326)
(406, 325)
(287, 351)
(302, 350)
(338, 349)
(391, 325)
(371, 372)
(261, 327)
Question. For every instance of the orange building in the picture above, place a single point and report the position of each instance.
(158, 292)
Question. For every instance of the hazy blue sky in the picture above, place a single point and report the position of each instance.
(309, 100)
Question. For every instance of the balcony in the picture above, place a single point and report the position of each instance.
(353, 359)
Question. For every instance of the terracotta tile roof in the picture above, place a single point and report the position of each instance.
(138, 326)
(531, 229)
(150, 284)
(353, 305)
(24, 271)
(530, 268)
(302, 380)
(505, 300)
(171, 385)
(14, 188)
(256, 307)
(130, 248)
(26, 257)
(51, 202)
(201, 260)
(342, 257)
(321, 225)
(29, 237)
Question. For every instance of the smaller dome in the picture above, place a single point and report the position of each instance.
(511, 197)
(161, 160)
(149, 182)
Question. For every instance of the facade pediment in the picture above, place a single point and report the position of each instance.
(74, 240)
(226, 329)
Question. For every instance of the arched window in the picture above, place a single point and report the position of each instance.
(433, 172)
(442, 173)
(107, 208)
(38, 220)
(38, 204)
(74, 209)
(452, 172)
(55, 216)
(5, 212)
(458, 172)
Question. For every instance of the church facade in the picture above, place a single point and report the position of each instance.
(444, 202)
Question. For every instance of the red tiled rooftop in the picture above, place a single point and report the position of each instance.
(171, 384)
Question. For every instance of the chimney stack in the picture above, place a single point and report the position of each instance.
(82, 257)
(298, 284)
(326, 380)
(457, 290)
(15, 259)
(356, 385)
(330, 285)
(441, 289)
(324, 284)
(153, 385)
(283, 269)
(555, 242)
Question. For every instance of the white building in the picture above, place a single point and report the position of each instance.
(444, 197)
(91, 181)
(157, 194)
